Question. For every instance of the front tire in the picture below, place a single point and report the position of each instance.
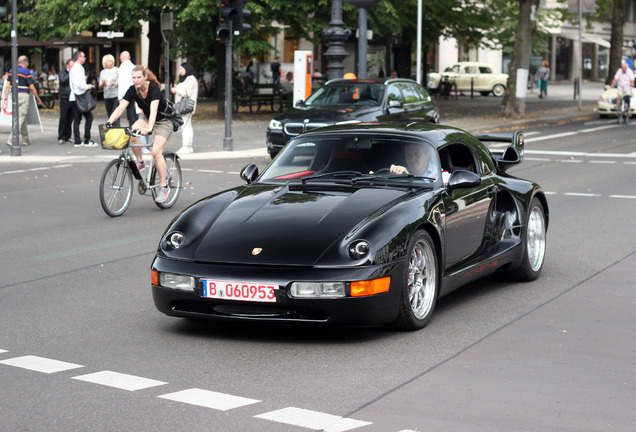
(173, 178)
(498, 90)
(534, 243)
(116, 187)
(420, 283)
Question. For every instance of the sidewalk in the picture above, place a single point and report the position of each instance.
(479, 114)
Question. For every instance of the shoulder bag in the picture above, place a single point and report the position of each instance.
(84, 102)
(185, 105)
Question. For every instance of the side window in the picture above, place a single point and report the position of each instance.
(410, 95)
(485, 70)
(470, 69)
(424, 96)
(394, 94)
(458, 157)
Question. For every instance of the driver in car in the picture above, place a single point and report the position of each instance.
(418, 162)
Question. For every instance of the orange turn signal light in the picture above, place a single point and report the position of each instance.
(154, 277)
(370, 287)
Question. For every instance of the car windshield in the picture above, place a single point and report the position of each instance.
(354, 93)
(355, 158)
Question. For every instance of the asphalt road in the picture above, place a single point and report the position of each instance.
(83, 348)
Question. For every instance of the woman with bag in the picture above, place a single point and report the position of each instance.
(185, 100)
(147, 93)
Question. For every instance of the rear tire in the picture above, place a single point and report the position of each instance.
(173, 178)
(534, 243)
(420, 283)
(116, 188)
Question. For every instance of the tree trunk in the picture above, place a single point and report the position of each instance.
(616, 50)
(513, 106)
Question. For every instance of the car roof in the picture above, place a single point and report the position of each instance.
(382, 81)
(436, 134)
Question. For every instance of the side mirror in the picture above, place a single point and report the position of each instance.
(249, 173)
(395, 104)
(300, 103)
(461, 179)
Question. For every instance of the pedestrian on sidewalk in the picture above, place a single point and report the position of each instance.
(275, 68)
(125, 81)
(25, 83)
(108, 81)
(79, 87)
(542, 76)
(187, 87)
(64, 133)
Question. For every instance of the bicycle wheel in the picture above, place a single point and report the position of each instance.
(116, 188)
(173, 169)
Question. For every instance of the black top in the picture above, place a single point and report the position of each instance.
(65, 86)
(154, 93)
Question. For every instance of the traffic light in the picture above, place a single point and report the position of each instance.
(238, 27)
(223, 32)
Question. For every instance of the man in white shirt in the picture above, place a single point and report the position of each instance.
(125, 81)
(624, 80)
(77, 79)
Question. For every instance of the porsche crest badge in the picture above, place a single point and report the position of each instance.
(256, 251)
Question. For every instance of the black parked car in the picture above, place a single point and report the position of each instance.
(358, 225)
(343, 101)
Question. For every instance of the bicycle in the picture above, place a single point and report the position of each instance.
(624, 109)
(116, 184)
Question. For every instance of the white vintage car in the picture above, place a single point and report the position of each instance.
(482, 76)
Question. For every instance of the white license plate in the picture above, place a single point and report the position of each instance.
(234, 290)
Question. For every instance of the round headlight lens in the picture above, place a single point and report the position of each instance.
(359, 249)
(176, 240)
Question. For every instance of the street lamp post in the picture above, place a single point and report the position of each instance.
(362, 33)
(336, 35)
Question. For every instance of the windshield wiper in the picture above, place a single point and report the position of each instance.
(335, 174)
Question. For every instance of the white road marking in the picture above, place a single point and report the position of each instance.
(603, 162)
(211, 171)
(119, 380)
(596, 129)
(547, 137)
(40, 364)
(312, 419)
(581, 194)
(623, 196)
(571, 160)
(3, 351)
(209, 399)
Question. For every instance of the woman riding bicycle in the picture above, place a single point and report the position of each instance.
(624, 80)
(147, 93)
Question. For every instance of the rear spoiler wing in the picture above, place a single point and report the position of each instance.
(512, 155)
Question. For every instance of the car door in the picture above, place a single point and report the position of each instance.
(464, 78)
(466, 209)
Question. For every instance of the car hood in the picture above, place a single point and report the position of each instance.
(273, 224)
(330, 114)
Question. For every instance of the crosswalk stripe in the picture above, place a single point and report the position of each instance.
(40, 364)
(119, 380)
(209, 399)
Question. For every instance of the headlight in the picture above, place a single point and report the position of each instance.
(317, 289)
(275, 124)
(359, 249)
(175, 240)
(176, 281)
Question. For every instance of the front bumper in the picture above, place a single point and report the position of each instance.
(363, 311)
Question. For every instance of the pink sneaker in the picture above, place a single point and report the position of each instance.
(163, 194)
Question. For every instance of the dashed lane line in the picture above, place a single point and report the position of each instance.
(120, 380)
(209, 399)
(312, 420)
(40, 364)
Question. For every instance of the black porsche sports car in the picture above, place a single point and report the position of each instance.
(364, 224)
